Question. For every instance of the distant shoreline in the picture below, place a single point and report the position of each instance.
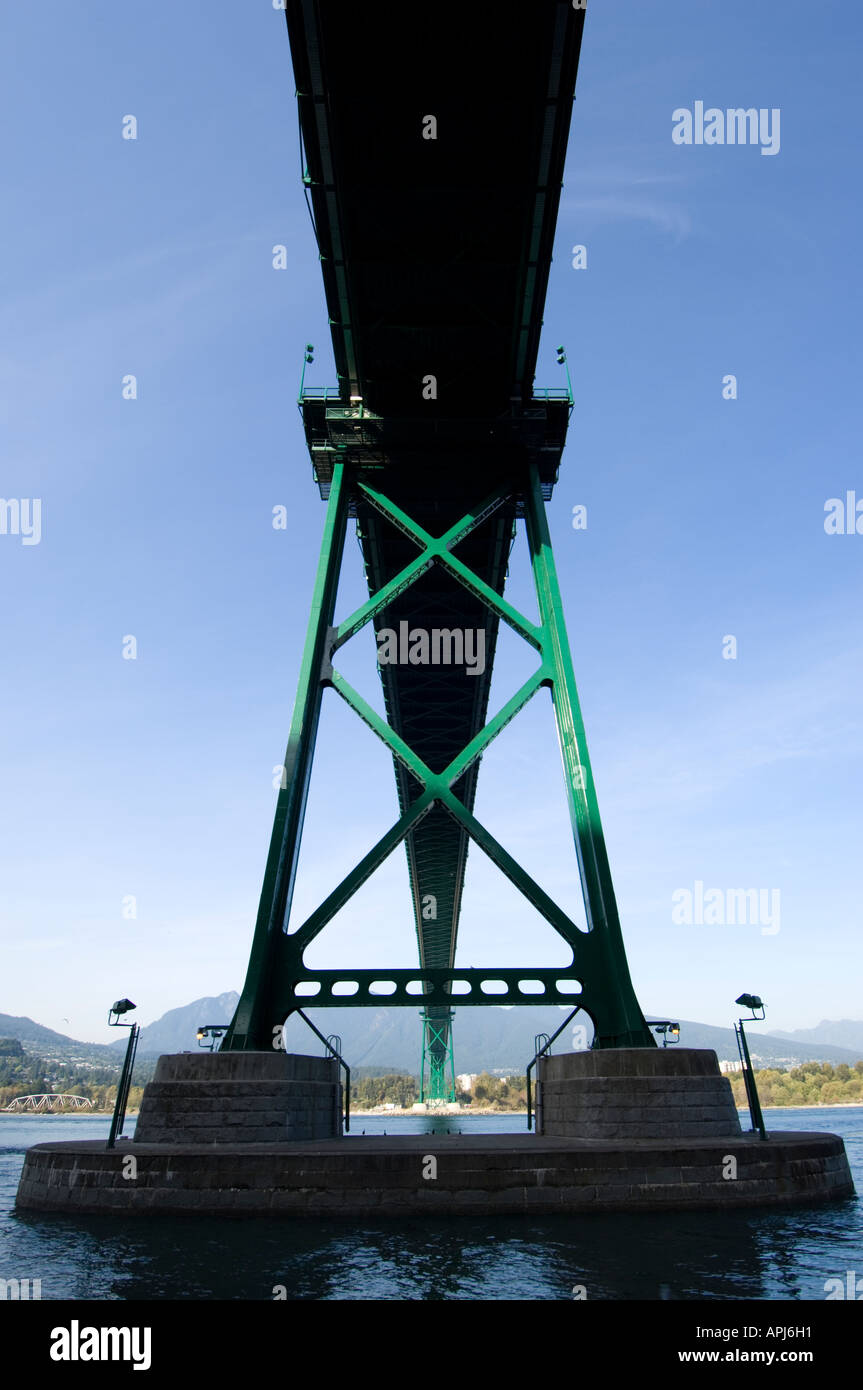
(67, 1114)
(377, 1114)
(813, 1105)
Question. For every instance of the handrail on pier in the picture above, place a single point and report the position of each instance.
(332, 1044)
(540, 1049)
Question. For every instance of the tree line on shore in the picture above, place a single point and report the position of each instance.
(402, 1091)
(813, 1083)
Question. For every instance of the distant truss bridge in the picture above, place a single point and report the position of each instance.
(50, 1102)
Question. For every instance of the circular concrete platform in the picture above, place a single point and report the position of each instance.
(471, 1174)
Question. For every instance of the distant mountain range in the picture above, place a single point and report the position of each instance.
(25, 1030)
(843, 1033)
(486, 1039)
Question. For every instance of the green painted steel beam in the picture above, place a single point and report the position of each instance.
(439, 550)
(304, 987)
(251, 1026)
(628, 1027)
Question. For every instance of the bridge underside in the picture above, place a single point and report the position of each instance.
(434, 185)
(435, 255)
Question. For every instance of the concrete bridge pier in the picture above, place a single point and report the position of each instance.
(240, 1098)
(635, 1093)
(631, 1129)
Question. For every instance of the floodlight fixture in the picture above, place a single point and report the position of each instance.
(122, 1006)
(751, 1001)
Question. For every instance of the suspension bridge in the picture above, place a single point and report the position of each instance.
(433, 183)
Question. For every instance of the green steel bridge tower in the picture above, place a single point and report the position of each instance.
(437, 1061)
(433, 185)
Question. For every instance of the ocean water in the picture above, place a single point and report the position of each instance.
(756, 1254)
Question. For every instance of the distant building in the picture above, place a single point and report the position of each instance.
(466, 1079)
(725, 1066)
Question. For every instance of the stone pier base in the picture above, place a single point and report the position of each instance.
(242, 1133)
(240, 1098)
(477, 1175)
(635, 1093)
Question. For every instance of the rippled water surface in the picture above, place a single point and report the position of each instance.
(756, 1254)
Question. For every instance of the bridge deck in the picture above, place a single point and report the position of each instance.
(435, 256)
(435, 252)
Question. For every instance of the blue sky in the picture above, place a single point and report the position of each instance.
(152, 778)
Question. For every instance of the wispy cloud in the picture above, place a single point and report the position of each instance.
(668, 218)
(623, 196)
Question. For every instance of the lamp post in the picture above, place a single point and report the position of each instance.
(668, 1029)
(209, 1034)
(562, 362)
(308, 356)
(123, 1006)
(756, 1007)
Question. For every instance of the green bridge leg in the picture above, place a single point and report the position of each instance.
(437, 1060)
(278, 981)
(617, 1016)
(257, 1015)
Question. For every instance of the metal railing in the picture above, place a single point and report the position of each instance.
(540, 1050)
(333, 393)
(320, 393)
(552, 393)
(333, 1045)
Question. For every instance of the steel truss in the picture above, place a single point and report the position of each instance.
(597, 978)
